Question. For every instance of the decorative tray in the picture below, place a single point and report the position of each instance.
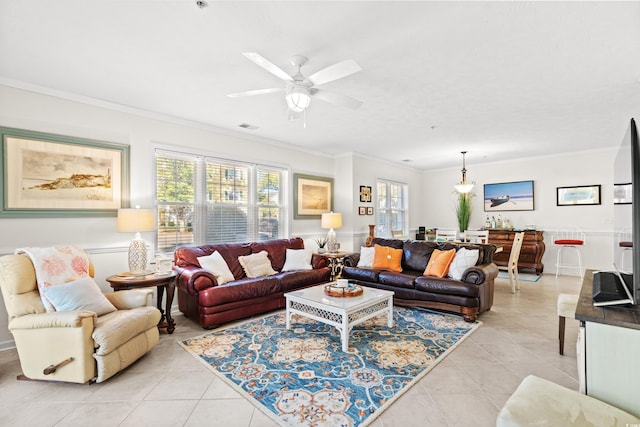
(352, 290)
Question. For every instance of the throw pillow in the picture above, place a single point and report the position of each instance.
(439, 263)
(386, 258)
(81, 294)
(366, 257)
(256, 265)
(464, 259)
(297, 259)
(217, 266)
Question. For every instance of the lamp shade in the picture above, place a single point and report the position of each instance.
(136, 220)
(331, 220)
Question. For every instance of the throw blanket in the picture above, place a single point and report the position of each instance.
(56, 265)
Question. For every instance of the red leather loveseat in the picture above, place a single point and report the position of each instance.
(201, 299)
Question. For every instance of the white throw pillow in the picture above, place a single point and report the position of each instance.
(256, 265)
(464, 259)
(297, 259)
(217, 266)
(366, 257)
(82, 294)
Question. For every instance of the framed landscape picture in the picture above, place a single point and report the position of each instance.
(579, 195)
(508, 196)
(312, 196)
(48, 175)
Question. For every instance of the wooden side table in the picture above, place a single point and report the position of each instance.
(159, 280)
(336, 262)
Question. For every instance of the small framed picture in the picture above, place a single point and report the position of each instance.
(622, 194)
(578, 195)
(362, 210)
(369, 211)
(365, 194)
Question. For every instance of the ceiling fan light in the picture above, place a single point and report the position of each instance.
(298, 98)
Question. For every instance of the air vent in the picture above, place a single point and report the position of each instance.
(247, 126)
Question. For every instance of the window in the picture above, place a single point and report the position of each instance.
(204, 200)
(393, 212)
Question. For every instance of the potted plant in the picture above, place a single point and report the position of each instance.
(321, 242)
(463, 210)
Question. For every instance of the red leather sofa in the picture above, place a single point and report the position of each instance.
(201, 299)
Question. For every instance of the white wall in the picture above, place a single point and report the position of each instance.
(585, 168)
(365, 172)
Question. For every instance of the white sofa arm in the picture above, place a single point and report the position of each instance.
(54, 319)
(131, 298)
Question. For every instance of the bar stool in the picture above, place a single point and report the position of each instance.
(568, 240)
(567, 304)
(627, 246)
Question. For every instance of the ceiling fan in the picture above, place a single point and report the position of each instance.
(300, 89)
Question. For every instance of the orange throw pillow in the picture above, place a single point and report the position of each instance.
(386, 258)
(440, 262)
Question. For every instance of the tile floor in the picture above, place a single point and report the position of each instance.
(168, 387)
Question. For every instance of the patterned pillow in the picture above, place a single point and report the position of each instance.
(464, 259)
(256, 265)
(439, 263)
(56, 265)
(217, 266)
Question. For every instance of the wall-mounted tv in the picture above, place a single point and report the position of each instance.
(626, 209)
(508, 196)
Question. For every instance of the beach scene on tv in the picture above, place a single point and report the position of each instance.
(508, 196)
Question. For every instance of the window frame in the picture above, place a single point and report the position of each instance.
(204, 200)
(387, 210)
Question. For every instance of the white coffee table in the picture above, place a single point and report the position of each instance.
(341, 312)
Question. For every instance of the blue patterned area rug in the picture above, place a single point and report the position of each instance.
(527, 277)
(300, 377)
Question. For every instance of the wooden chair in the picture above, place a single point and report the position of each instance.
(512, 265)
(446, 235)
(477, 236)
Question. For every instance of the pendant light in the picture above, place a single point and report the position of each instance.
(464, 186)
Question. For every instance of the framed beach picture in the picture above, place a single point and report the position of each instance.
(508, 196)
(579, 195)
(312, 196)
(48, 175)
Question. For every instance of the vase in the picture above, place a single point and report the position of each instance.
(372, 229)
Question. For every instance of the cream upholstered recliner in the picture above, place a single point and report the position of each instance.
(74, 346)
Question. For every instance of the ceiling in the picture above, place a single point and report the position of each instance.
(501, 80)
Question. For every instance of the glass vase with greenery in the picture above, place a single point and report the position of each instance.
(463, 210)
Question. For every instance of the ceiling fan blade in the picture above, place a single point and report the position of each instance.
(335, 72)
(268, 65)
(337, 99)
(255, 92)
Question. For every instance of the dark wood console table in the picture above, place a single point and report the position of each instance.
(530, 254)
(159, 280)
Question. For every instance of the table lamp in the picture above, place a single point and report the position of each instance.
(137, 221)
(331, 220)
